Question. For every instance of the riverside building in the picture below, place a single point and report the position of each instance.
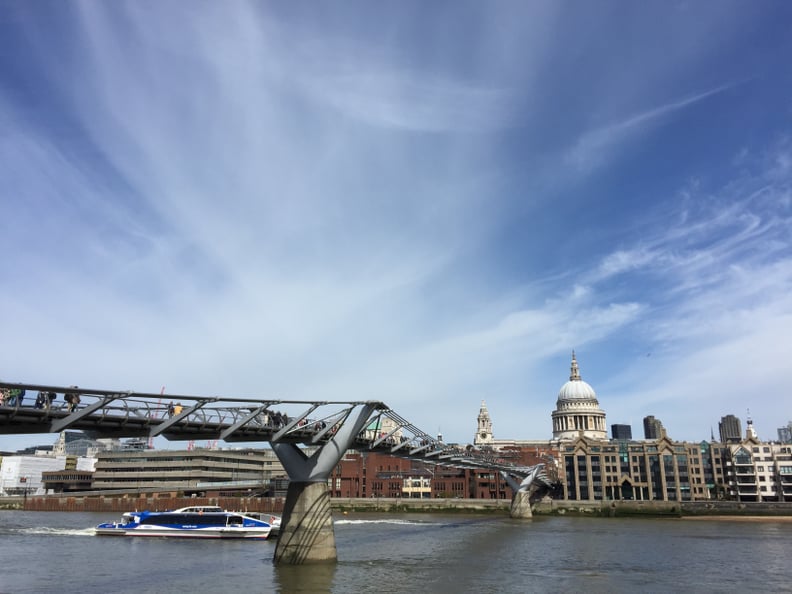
(758, 471)
(22, 475)
(189, 471)
(661, 469)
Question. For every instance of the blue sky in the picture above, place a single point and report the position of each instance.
(429, 204)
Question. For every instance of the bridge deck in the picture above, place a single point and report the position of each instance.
(116, 414)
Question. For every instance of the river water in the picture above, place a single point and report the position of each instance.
(43, 552)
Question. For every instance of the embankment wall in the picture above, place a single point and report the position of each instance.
(661, 508)
(102, 503)
(129, 502)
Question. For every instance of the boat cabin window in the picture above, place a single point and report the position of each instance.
(187, 519)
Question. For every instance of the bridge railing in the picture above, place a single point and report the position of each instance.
(390, 433)
(182, 416)
(278, 418)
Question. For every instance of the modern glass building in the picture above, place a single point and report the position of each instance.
(620, 431)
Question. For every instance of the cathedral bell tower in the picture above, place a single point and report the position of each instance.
(484, 431)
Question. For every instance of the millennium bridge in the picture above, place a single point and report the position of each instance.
(308, 437)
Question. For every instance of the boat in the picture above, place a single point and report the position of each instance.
(200, 521)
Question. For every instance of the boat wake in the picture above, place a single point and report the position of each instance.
(54, 531)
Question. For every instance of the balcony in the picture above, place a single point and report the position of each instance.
(746, 480)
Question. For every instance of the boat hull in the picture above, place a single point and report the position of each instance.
(215, 533)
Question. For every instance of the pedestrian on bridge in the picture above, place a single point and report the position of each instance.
(72, 400)
(15, 397)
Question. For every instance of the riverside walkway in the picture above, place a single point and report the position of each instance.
(309, 438)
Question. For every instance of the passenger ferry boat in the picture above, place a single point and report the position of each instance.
(202, 521)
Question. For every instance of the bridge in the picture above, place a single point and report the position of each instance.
(309, 438)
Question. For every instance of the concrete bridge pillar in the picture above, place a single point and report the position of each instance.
(521, 506)
(306, 533)
(521, 502)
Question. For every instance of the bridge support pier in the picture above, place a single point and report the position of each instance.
(521, 502)
(521, 506)
(306, 533)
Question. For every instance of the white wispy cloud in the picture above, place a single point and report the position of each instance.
(596, 146)
(405, 101)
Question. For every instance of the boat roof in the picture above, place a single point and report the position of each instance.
(199, 509)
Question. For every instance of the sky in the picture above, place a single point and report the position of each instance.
(427, 204)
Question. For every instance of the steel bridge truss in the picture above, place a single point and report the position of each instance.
(311, 424)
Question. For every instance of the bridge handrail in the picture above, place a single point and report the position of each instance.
(402, 439)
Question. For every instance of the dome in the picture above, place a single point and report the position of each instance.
(577, 412)
(576, 390)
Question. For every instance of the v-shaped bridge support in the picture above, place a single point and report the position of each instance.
(306, 533)
(521, 501)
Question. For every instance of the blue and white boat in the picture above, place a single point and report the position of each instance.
(202, 521)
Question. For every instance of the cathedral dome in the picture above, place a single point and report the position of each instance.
(577, 411)
(576, 390)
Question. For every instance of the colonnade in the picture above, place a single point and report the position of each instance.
(572, 422)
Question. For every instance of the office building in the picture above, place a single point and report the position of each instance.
(730, 429)
(23, 474)
(619, 431)
(653, 428)
(190, 471)
(785, 433)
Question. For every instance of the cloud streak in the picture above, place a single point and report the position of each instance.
(594, 146)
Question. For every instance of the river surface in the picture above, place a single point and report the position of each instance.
(44, 552)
